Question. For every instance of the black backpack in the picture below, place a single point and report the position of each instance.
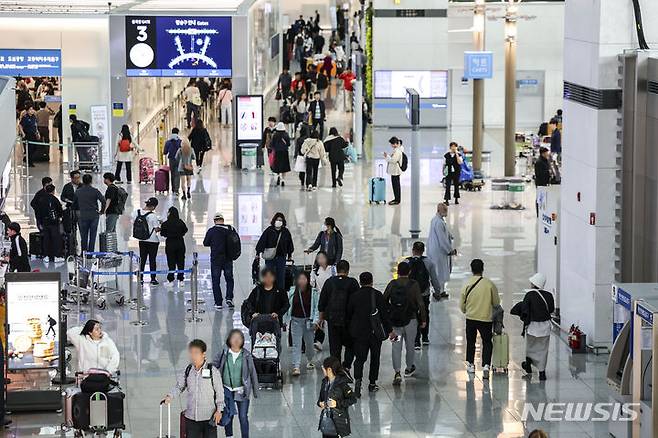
(405, 162)
(233, 244)
(419, 272)
(122, 196)
(399, 308)
(141, 229)
(336, 308)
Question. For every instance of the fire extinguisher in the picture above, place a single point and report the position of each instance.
(575, 338)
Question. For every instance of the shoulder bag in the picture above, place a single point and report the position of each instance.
(270, 253)
(470, 289)
(376, 320)
(327, 425)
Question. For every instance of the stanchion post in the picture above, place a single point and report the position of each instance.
(131, 288)
(139, 322)
(92, 295)
(27, 159)
(194, 290)
(60, 378)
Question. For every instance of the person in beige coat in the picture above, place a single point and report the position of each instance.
(313, 151)
(394, 167)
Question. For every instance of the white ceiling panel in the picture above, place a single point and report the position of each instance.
(121, 6)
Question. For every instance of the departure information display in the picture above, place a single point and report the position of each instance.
(393, 84)
(179, 46)
(30, 62)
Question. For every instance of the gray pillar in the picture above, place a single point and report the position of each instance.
(510, 101)
(415, 182)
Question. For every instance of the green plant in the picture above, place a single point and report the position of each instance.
(369, 55)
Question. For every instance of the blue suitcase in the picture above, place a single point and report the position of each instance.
(377, 188)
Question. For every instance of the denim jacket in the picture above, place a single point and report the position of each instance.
(315, 297)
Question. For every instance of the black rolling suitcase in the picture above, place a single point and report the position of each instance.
(36, 244)
(41, 153)
(88, 410)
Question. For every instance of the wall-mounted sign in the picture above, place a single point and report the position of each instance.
(30, 62)
(179, 46)
(478, 65)
(73, 109)
(249, 118)
(117, 109)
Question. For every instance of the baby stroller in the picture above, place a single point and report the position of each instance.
(265, 333)
(467, 179)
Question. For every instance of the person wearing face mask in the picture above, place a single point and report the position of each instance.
(394, 167)
(275, 246)
(329, 240)
(95, 348)
(440, 249)
(452, 171)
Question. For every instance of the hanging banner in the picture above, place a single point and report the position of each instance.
(100, 127)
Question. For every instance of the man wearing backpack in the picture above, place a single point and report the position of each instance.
(115, 202)
(479, 295)
(423, 271)
(146, 226)
(332, 305)
(224, 249)
(406, 313)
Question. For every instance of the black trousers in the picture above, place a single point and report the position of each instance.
(129, 171)
(52, 241)
(312, 165)
(199, 156)
(318, 124)
(361, 349)
(395, 182)
(339, 337)
(175, 252)
(472, 329)
(199, 429)
(452, 179)
(150, 250)
(337, 166)
(424, 332)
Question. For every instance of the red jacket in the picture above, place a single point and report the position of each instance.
(347, 77)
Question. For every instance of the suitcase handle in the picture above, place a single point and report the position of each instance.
(380, 171)
(168, 421)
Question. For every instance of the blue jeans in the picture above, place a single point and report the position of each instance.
(216, 269)
(299, 331)
(88, 230)
(278, 264)
(243, 410)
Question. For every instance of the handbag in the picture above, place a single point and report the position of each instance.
(278, 96)
(270, 253)
(300, 164)
(270, 157)
(188, 167)
(327, 425)
(376, 320)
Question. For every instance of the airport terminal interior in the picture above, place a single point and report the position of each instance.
(512, 138)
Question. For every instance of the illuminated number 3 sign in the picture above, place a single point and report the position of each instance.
(141, 33)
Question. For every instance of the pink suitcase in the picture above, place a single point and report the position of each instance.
(146, 170)
(162, 180)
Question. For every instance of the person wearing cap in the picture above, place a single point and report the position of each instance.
(148, 248)
(535, 313)
(394, 167)
(279, 144)
(220, 261)
(19, 258)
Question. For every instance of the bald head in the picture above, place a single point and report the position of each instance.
(442, 209)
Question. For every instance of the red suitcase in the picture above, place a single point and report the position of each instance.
(146, 170)
(162, 180)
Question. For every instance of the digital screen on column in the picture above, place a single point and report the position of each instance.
(179, 46)
(392, 84)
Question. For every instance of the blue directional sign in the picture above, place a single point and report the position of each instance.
(30, 62)
(478, 65)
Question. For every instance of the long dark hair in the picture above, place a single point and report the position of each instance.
(125, 133)
(173, 213)
(230, 335)
(332, 223)
(89, 326)
(308, 280)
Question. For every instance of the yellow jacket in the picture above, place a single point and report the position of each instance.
(480, 300)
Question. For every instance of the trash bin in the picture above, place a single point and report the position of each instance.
(499, 193)
(515, 193)
(249, 153)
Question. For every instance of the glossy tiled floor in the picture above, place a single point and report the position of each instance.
(441, 400)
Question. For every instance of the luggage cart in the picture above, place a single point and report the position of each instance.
(89, 156)
(102, 284)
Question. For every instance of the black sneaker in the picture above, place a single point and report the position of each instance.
(154, 282)
(525, 365)
(230, 304)
(410, 371)
(397, 379)
(417, 345)
(373, 387)
(426, 341)
(542, 375)
(357, 388)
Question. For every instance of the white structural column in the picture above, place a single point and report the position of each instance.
(596, 31)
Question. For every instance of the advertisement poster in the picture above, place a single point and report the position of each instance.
(249, 123)
(33, 318)
(392, 84)
(250, 208)
(100, 127)
(179, 46)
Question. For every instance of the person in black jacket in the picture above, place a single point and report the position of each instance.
(79, 129)
(329, 240)
(359, 310)
(200, 142)
(19, 257)
(34, 203)
(277, 240)
(279, 145)
(542, 168)
(50, 213)
(332, 306)
(535, 313)
(336, 396)
(220, 262)
(335, 146)
(267, 299)
(317, 114)
(453, 163)
(174, 230)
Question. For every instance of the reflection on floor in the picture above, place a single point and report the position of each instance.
(441, 400)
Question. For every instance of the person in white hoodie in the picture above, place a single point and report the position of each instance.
(313, 151)
(394, 167)
(95, 348)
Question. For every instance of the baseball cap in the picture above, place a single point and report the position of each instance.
(152, 202)
(218, 215)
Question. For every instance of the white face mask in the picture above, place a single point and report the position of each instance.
(278, 224)
(324, 227)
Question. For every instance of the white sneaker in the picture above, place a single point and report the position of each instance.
(181, 283)
(169, 284)
(220, 307)
(470, 368)
(485, 372)
(310, 366)
(317, 346)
